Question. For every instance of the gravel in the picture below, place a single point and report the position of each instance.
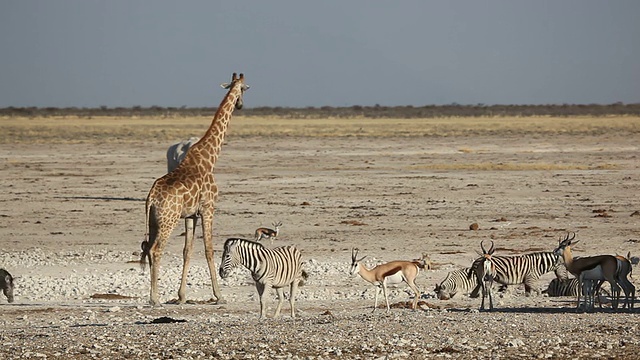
(55, 316)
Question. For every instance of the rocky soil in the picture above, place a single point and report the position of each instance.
(72, 219)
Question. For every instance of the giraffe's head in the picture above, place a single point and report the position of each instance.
(237, 81)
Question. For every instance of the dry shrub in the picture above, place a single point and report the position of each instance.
(118, 129)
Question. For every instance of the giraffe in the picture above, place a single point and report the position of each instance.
(189, 192)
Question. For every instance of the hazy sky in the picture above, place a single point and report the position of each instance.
(297, 53)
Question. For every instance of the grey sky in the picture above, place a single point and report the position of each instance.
(89, 53)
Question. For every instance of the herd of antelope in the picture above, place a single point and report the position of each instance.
(590, 273)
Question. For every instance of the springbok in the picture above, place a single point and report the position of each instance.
(425, 261)
(623, 272)
(391, 273)
(587, 269)
(485, 273)
(266, 233)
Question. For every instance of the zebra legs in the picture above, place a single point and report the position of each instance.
(292, 297)
(280, 292)
(530, 283)
(260, 287)
(476, 291)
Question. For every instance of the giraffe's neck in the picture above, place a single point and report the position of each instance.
(208, 148)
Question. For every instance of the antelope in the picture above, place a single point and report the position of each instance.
(266, 233)
(425, 262)
(599, 267)
(391, 273)
(623, 270)
(485, 273)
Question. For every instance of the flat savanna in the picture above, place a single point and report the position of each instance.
(72, 220)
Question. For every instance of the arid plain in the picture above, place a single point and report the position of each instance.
(72, 220)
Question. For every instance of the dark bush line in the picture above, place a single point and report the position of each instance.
(377, 111)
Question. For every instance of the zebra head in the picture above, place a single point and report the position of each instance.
(355, 261)
(228, 257)
(446, 289)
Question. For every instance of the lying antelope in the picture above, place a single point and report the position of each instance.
(266, 233)
(391, 273)
(424, 262)
(587, 269)
(485, 273)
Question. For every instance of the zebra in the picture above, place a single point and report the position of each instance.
(523, 269)
(570, 287)
(457, 281)
(277, 267)
(563, 287)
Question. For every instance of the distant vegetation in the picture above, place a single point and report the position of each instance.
(373, 112)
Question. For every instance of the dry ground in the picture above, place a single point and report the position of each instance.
(73, 205)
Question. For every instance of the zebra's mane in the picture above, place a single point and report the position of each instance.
(249, 243)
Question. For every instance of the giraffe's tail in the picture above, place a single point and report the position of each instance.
(146, 254)
(149, 236)
(304, 276)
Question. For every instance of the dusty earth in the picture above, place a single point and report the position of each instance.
(72, 219)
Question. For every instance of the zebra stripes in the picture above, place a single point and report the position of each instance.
(523, 269)
(277, 268)
(560, 287)
(456, 281)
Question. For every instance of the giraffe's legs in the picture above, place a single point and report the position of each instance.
(189, 235)
(156, 255)
(207, 231)
(159, 233)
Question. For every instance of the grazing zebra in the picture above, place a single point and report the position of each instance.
(276, 268)
(523, 269)
(457, 281)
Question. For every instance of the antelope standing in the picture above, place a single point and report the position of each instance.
(599, 267)
(624, 270)
(266, 233)
(391, 273)
(485, 272)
